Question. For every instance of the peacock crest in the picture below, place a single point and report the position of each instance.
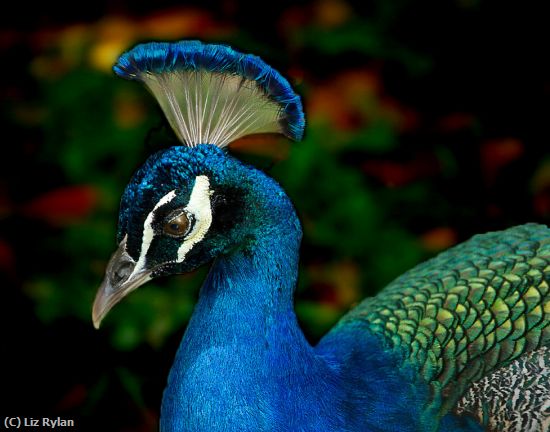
(212, 94)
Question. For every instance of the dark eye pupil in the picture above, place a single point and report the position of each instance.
(175, 227)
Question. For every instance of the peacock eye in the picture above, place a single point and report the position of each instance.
(178, 226)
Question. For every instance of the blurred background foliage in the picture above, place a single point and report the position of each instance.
(423, 129)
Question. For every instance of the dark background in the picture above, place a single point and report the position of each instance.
(427, 123)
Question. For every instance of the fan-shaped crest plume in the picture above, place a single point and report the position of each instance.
(212, 94)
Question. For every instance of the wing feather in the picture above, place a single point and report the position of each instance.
(467, 312)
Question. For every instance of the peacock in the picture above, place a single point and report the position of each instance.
(459, 343)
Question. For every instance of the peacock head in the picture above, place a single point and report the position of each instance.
(188, 204)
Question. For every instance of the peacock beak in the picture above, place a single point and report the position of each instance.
(120, 279)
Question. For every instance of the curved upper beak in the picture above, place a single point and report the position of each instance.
(121, 277)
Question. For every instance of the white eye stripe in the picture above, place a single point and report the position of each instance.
(200, 207)
(149, 232)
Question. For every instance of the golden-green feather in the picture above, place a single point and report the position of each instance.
(467, 312)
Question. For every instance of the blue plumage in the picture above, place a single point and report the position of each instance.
(401, 361)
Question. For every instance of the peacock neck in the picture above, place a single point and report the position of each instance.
(247, 299)
(248, 296)
(243, 361)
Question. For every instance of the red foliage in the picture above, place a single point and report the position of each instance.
(456, 121)
(63, 205)
(74, 398)
(7, 257)
(496, 154)
(438, 239)
(395, 174)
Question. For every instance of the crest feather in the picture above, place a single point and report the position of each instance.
(212, 94)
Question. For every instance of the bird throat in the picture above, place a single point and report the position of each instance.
(243, 353)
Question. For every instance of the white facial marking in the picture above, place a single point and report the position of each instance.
(199, 206)
(148, 232)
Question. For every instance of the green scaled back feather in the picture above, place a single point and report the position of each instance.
(469, 311)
